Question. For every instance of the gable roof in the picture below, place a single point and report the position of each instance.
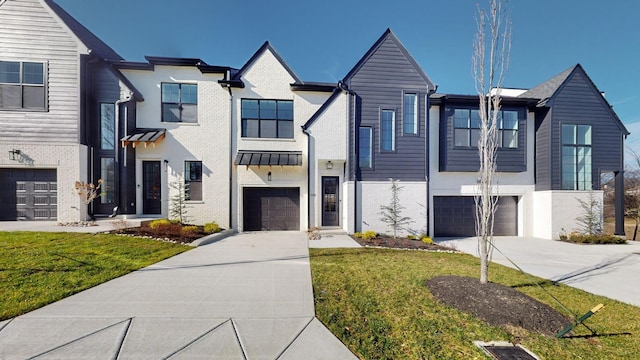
(388, 34)
(327, 103)
(91, 41)
(237, 78)
(548, 89)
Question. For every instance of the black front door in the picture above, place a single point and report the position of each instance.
(330, 201)
(151, 203)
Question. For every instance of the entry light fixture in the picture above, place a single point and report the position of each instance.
(14, 154)
(269, 176)
(329, 165)
(166, 164)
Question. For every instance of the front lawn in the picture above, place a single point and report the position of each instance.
(39, 268)
(376, 302)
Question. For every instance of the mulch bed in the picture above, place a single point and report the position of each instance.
(401, 243)
(497, 304)
(172, 232)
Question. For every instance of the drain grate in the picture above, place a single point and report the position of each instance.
(506, 351)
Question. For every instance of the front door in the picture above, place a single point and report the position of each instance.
(151, 196)
(330, 201)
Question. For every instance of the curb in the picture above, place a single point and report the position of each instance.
(210, 239)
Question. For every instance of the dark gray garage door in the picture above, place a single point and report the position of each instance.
(455, 216)
(271, 209)
(28, 194)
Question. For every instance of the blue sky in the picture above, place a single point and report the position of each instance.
(322, 40)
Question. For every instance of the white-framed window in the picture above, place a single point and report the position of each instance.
(576, 157)
(410, 114)
(387, 130)
(23, 85)
(365, 148)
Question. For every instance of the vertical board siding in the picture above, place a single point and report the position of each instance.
(579, 102)
(380, 84)
(28, 32)
(467, 159)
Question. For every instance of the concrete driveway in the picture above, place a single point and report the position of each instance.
(608, 270)
(246, 297)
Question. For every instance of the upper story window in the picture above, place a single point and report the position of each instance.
(388, 130)
(365, 147)
(467, 122)
(179, 102)
(107, 126)
(267, 118)
(193, 180)
(22, 85)
(576, 157)
(410, 117)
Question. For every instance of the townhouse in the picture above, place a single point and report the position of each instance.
(257, 148)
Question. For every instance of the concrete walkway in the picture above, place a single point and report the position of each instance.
(245, 297)
(608, 270)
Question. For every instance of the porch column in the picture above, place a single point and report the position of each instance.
(619, 202)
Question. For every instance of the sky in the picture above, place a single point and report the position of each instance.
(323, 40)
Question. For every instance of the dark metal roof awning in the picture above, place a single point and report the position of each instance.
(268, 158)
(146, 136)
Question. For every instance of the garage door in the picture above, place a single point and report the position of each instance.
(271, 209)
(455, 216)
(28, 194)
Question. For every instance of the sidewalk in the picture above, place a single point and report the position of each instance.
(244, 297)
(608, 270)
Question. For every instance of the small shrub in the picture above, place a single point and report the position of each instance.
(212, 228)
(411, 237)
(190, 229)
(368, 235)
(426, 239)
(357, 235)
(595, 239)
(155, 224)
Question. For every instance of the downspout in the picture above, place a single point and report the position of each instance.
(87, 116)
(230, 152)
(304, 131)
(117, 146)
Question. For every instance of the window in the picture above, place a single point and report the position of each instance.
(22, 85)
(467, 122)
(576, 157)
(107, 126)
(193, 180)
(179, 102)
(364, 151)
(267, 118)
(388, 130)
(410, 114)
(108, 176)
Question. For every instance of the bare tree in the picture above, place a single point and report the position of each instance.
(632, 191)
(491, 48)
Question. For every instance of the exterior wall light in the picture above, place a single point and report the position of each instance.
(269, 176)
(166, 164)
(329, 165)
(14, 154)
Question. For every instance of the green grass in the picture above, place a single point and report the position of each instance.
(39, 268)
(375, 301)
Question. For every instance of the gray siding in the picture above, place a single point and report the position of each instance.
(29, 32)
(465, 159)
(380, 84)
(543, 149)
(579, 102)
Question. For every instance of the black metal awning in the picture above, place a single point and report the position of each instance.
(268, 158)
(146, 136)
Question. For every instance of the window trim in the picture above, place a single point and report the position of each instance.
(576, 146)
(416, 117)
(500, 129)
(101, 136)
(259, 119)
(23, 84)
(187, 182)
(370, 140)
(180, 103)
(393, 130)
